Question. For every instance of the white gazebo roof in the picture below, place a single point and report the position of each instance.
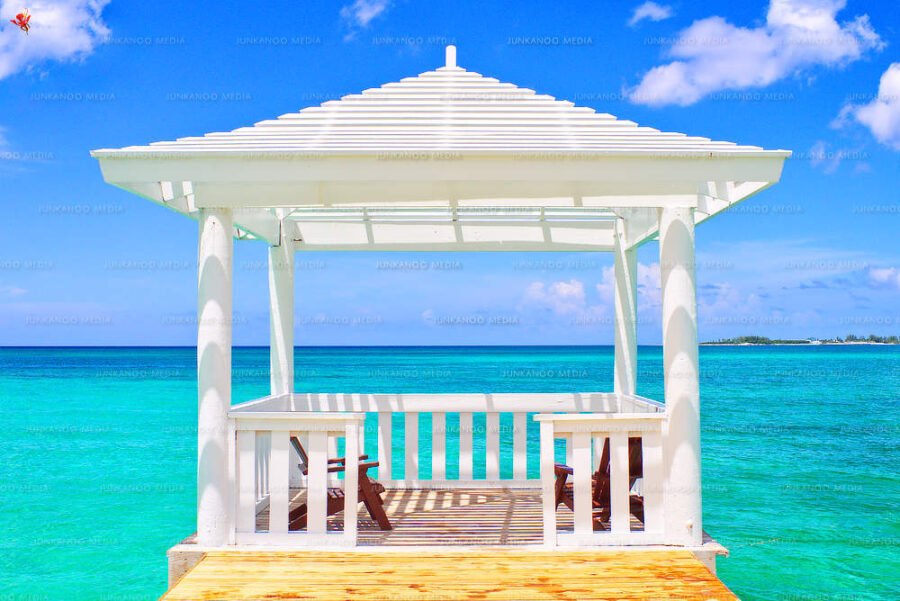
(449, 159)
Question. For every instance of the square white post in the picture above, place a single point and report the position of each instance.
(548, 484)
(683, 505)
(351, 481)
(281, 317)
(214, 317)
(625, 269)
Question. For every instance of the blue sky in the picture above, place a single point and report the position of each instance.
(816, 255)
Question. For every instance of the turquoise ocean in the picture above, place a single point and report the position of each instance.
(801, 448)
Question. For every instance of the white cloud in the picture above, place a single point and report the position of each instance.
(881, 115)
(823, 157)
(722, 302)
(651, 11)
(359, 14)
(9, 291)
(607, 286)
(62, 30)
(562, 298)
(884, 277)
(713, 55)
(649, 294)
(570, 299)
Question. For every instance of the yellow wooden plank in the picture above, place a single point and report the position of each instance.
(489, 574)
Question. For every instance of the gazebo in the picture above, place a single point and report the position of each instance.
(448, 160)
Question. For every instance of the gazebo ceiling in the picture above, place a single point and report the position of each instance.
(457, 143)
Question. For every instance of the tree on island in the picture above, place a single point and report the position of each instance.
(851, 338)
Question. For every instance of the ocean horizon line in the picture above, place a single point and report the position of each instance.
(429, 346)
(317, 346)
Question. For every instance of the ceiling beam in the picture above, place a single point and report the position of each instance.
(454, 236)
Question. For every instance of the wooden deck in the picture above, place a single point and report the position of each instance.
(478, 516)
(446, 575)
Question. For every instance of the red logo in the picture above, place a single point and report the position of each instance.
(21, 21)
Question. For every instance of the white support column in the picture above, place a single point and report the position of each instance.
(625, 268)
(214, 317)
(281, 317)
(683, 505)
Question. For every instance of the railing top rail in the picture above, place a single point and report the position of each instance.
(643, 399)
(311, 417)
(514, 402)
(589, 417)
(254, 404)
(565, 424)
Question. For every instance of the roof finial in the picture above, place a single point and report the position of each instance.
(451, 56)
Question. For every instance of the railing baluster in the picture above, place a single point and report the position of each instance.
(465, 446)
(362, 436)
(438, 446)
(598, 449)
(351, 482)
(411, 444)
(245, 519)
(548, 479)
(652, 486)
(520, 446)
(234, 478)
(618, 486)
(384, 445)
(279, 489)
(263, 452)
(581, 465)
(317, 482)
(492, 446)
(333, 477)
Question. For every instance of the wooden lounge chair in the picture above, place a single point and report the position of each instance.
(369, 491)
(600, 485)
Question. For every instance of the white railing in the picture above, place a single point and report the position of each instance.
(266, 466)
(585, 435)
(453, 444)
(261, 457)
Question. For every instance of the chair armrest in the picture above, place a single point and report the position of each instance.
(563, 469)
(344, 459)
(331, 469)
(340, 468)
